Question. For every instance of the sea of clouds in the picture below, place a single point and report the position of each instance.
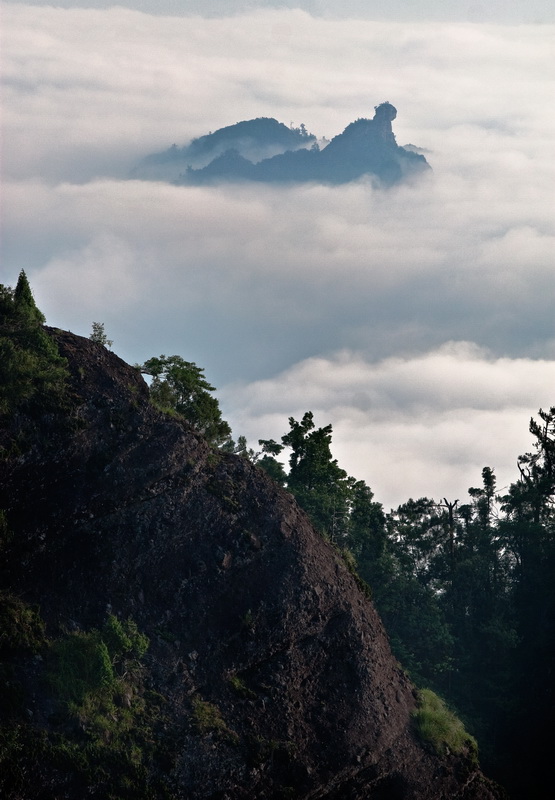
(418, 320)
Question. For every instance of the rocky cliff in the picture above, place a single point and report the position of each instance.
(268, 673)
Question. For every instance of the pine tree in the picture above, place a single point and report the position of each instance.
(98, 335)
(24, 302)
(319, 484)
(32, 373)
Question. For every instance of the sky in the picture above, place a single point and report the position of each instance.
(418, 320)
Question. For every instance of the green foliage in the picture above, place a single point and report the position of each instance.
(269, 463)
(420, 636)
(270, 446)
(32, 374)
(395, 558)
(440, 728)
(248, 621)
(533, 496)
(351, 564)
(274, 468)
(366, 534)
(123, 638)
(108, 719)
(82, 667)
(98, 335)
(208, 719)
(24, 303)
(241, 688)
(21, 627)
(340, 507)
(466, 594)
(130, 766)
(207, 716)
(85, 664)
(181, 387)
(319, 484)
(240, 448)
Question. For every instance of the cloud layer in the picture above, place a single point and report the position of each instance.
(474, 11)
(424, 426)
(339, 300)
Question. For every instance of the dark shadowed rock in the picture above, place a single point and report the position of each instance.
(124, 510)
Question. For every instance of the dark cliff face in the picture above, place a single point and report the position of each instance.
(126, 511)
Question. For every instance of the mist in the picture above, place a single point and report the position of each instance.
(417, 320)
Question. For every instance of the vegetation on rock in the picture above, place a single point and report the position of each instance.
(98, 335)
(438, 726)
(180, 387)
(32, 374)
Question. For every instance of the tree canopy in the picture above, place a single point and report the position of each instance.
(465, 589)
(179, 386)
(32, 373)
(98, 335)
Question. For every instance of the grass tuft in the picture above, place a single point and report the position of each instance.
(208, 719)
(438, 726)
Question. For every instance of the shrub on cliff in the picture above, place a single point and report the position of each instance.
(437, 725)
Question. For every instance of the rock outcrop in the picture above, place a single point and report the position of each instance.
(252, 617)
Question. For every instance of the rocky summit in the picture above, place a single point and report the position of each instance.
(174, 627)
(267, 151)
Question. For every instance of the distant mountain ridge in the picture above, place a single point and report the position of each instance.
(254, 139)
(266, 150)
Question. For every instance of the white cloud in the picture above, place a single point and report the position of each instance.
(278, 274)
(88, 91)
(410, 427)
(474, 11)
(264, 283)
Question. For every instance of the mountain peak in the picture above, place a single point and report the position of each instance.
(265, 150)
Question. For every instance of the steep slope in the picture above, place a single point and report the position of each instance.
(268, 673)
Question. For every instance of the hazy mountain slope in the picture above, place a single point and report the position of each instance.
(267, 151)
(253, 139)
